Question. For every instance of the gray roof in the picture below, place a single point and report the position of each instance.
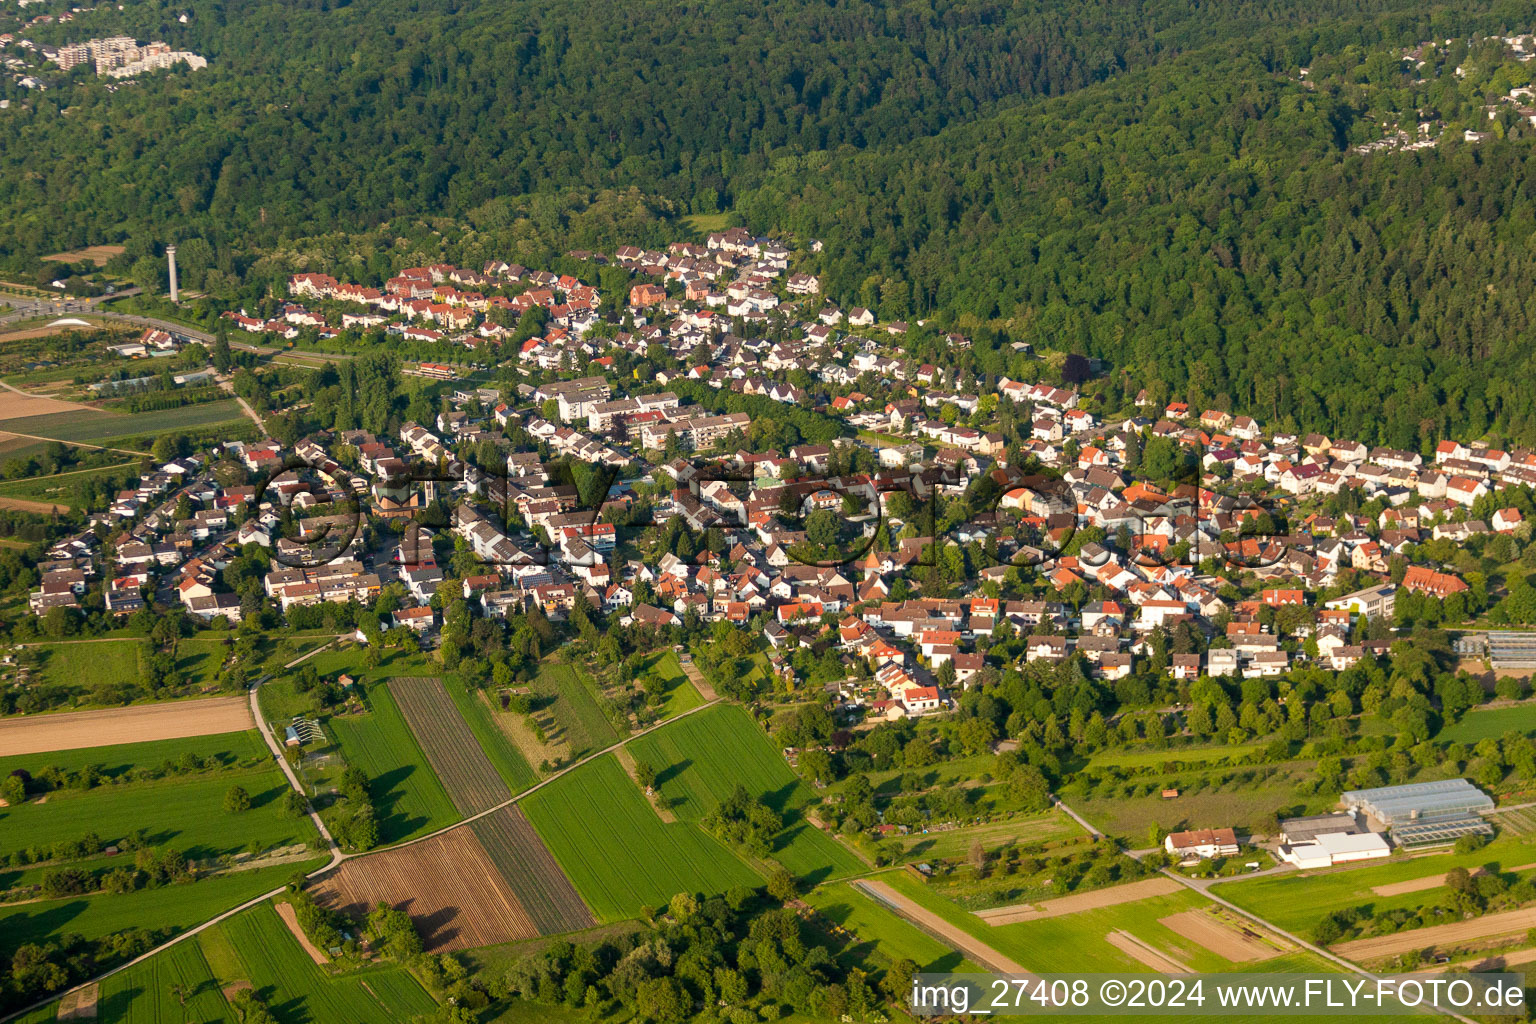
(1420, 800)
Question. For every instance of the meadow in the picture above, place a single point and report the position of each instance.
(1234, 802)
(505, 757)
(186, 814)
(298, 991)
(1015, 830)
(143, 993)
(1152, 758)
(231, 749)
(72, 664)
(620, 856)
(167, 909)
(586, 727)
(701, 759)
(1297, 900)
(60, 487)
(409, 799)
(878, 931)
(98, 427)
(1075, 943)
(681, 695)
(1481, 724)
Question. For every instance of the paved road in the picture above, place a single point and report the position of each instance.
(1077, 817)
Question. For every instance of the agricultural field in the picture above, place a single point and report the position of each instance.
(1296, 900)
(617, 852)
(299, 991)
(995, 835)
(143, 994)
(1481, 724)
(100, 427)
(449, 885)
(877, 930)
(530, 870)
(231, 749)
(168, 909)
(504, 755)
(701, 759)
(581, 721)
(1075, 943)
(472, 782)
(409, 798)
(186, 813)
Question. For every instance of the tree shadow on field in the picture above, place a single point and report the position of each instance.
(36, 926)
(388, 791)
(672, 771)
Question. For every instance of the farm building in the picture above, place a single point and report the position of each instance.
(1425, 813)
(1419, 801)
(1202, 844)
(1332, 848)
(1304, 830)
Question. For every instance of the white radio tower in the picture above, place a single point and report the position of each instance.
(170, 254)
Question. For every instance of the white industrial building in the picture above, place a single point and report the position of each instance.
(1330, 848)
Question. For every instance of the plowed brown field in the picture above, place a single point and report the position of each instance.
(448, 884)
(72, 730)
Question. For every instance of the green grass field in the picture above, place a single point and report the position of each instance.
(1157, 758)
(1016, 830)
(409, 798)
(170, 908)
(186, 814)
(881, 933)
(297, 991)
(61, 486)
(1479, 724)
(1297, 900)
(77, 665)
(1074, 943)
(618, 853)
(509, 763)
(232, 748)
(78, 425)
(1234, 802)
(576, 709)
(700, 760)
(681, 694)
(142, 994)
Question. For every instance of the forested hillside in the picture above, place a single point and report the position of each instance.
(1200, 226)
(1149, 183)
(316, 116)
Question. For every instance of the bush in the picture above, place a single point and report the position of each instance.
(1470, 844)
(237, 800)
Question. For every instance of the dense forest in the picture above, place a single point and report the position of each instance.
(321, 116)
(1200, 226)
(1153, 184)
